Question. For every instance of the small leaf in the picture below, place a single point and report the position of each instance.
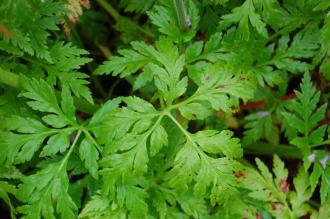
(158, 139)
(42, 96)
(67, 104)
(56, 143)
(89, 154)
(54, 121)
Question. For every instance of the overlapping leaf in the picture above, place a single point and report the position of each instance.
(216, 91)
(134, 126)
(26, 136)
(304, 116)
(260, 126)
(275, 191)
(245, 15)
(30, 31)
(40, 189)
(165, 17)
(32, 132)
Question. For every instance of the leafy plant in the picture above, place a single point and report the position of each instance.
(167, 125)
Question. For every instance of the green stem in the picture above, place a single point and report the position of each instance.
(109, 9)
(9, 78)
(159, 119)
(181, 14)
(120, 19)
(261, 148)
(36, 62)
(13, 80)
(63, 162)
(88, 135)
(180, 127)
(105, 50)
(278, 33)
(291, 28)
(320, 144)
(186, 101)
(112, 88)
(67, 156)
(98, 86)
(314, 204)
(188, 137)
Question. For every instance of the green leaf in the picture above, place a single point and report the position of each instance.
(158, 139)
(245, 15)
(54, 121)
(325, 183)
(42, 96)
(192, 207)
(193, 164)
(168, 81)
(77, 83)
(303, 192)
(98, 205)
(264, 170)
(30, 32)
(213, 141)
(260, 126)
(67, 57)
(134, 199)
(133, 6)
(212, 47)
(67, 104)
(304, 45)
(89, 154)
(193, 51)
(129, 61)
(274, 192)
(143, 78)
(21, 147)
(5, 190)
(304, 117)
(27, 135)
(217, 90)
(38, 191)
(194, 111)
(166, 19)
(134, 125)
(56, 143)
(279, 170)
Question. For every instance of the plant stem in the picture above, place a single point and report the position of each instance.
(67, 156)
(12, 80)
(105, 50)
(180, 127)
(261, 148)
(109, 9)
(112, 88)
(181, 14)
(9, 78)
(88, 135)
(63, 163)
(121, 19)
(98, 86)
(189, 138)
(320, 144)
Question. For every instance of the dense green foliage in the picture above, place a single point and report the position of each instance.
(164, 109)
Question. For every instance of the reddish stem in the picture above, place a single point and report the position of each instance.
(257, 104)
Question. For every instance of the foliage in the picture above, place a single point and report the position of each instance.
(167, 125)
